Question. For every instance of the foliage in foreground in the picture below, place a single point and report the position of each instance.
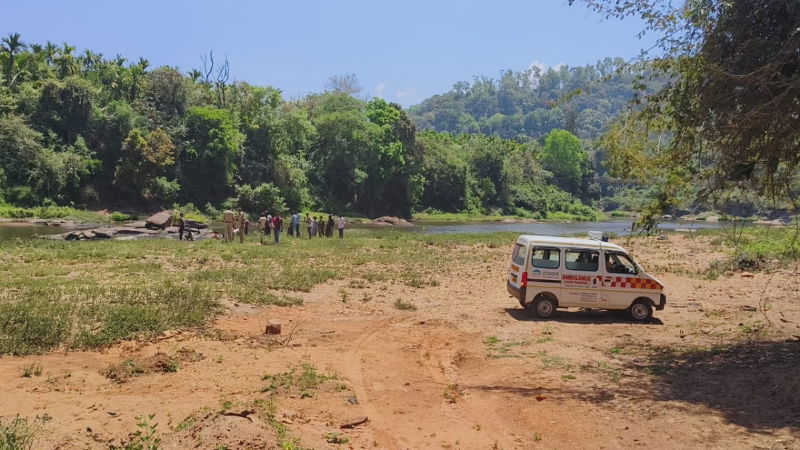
(726, 118)
(19, 433)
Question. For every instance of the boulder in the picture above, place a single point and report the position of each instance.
(104, 233)
(137, 224)
(712, 219)
(393, 221)
(159, 220)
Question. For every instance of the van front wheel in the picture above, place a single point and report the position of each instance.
(641, 310)
(544, 307)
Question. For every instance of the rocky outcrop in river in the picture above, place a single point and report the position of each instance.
(131, 230)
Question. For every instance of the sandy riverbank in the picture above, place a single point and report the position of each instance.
(459, 366)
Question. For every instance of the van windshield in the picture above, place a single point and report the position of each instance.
(620, 263)
(518, 256)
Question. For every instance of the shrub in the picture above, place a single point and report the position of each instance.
(164, 190)
(265, 197)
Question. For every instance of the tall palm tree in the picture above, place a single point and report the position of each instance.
(11, 44)
(66, 62)
(50, 51)
(90, 60)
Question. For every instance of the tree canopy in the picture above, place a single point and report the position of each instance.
(728, 115)
(80, 128)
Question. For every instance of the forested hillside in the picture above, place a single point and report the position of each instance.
(531, 103)
(85, 130)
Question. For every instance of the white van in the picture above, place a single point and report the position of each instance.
(553, 272)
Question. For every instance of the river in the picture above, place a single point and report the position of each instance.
(11, 230)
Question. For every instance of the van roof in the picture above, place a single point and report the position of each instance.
(569, 242)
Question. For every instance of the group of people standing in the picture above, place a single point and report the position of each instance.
(233, 224)
(269, 225)
(317, 226)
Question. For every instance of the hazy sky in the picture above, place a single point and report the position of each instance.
(403, 50)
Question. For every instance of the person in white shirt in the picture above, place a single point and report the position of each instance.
(341, 227)
(292, 218)
(262, 227)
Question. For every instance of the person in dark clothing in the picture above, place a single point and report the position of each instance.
(277, 227)
(329, 226)
(181, 227)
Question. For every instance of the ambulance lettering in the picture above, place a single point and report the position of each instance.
(577, 281)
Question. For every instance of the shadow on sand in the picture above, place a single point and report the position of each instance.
(753, 384)
(589, 317)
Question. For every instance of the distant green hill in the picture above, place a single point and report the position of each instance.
(531, 103)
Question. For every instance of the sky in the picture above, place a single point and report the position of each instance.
(401, 50)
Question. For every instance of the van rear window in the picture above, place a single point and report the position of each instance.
(518, 256)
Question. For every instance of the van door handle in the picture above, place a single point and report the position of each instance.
(607, 281)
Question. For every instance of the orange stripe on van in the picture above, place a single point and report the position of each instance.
(635, 283)
(514, 268)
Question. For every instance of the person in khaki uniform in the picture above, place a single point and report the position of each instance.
(241, 224)
(228, 217)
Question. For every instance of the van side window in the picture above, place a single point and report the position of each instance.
(518, 256)
(585, 260)
(619, 263)
(546, 258)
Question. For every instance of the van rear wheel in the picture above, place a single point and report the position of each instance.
(544, 307)
(641, 310)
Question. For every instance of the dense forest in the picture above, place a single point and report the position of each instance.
(85, 130)
(531, 103)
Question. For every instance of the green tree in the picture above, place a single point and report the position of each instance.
(145, 158)
(211, 154)
(20, 149)
(165, 92)
(65, 107)
(109, 126)
(728, 115)
(263, 198)
(11, 45)
(563, 155)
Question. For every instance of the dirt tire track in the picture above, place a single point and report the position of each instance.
(356, 375)
(444, 373)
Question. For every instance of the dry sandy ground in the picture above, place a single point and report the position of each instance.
(468, 369)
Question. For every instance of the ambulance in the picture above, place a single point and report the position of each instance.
(554, 272)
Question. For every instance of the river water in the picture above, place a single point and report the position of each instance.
(617, 227)
(620, 228)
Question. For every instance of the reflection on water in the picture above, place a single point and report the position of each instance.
(19, 230)
(620, 228)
